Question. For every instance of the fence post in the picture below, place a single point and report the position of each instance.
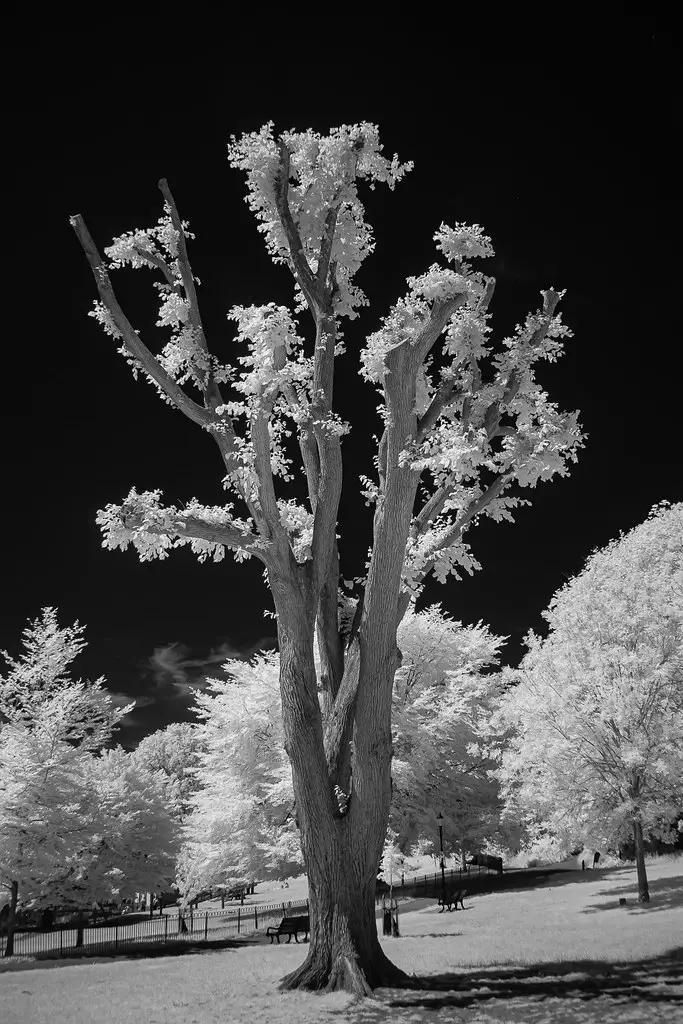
(238, 920)
(116, 936)
(165, 927)
(255, 919)
(206, 924)
(191, 921)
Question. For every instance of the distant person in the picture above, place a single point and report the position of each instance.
(596, 858)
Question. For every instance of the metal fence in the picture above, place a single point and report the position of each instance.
(167, 929)
(206, 926)
(430, 885)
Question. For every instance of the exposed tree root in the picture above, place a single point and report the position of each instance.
(345, 974)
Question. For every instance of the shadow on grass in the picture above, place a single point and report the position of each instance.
(139, 951)
(653, 980)
(664, 894)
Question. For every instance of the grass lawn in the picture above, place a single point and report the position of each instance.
(566, 952)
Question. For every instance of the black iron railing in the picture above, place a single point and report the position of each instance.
(192, 926)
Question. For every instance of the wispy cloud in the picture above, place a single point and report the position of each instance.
(176, 670)
(165, 680)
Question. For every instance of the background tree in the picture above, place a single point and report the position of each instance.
(173, 752)
(444, 749)
(42, 671)
(472, 421)
(242, 826)
(132, 840)
(49, 728)
(393, 860)
(598, 704)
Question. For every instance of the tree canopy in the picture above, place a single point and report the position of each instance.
(597, 705)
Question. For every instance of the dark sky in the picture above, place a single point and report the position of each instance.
(561, 145)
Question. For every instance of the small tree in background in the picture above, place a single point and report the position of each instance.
(597, 706)
(173, 751)
(243, 821)
(49, 728)
(242, 824)
(465, 419)
(444, 750)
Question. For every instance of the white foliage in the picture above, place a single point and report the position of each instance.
(56, 821)
(173, 752)
(241, 826)
(323, 173)
(153, 530)
(444, 750)
(597, 705)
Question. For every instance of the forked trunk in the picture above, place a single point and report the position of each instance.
(342, 833)
(643, 889)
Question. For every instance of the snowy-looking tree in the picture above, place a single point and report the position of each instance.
(174, 752)
(49, 728)
(598, 704)
(242, 825)
(468, 419)
(444, 749)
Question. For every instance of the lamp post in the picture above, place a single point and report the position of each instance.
(440, 820)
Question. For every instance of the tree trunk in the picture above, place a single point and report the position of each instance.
(643, 890)
(345, 952)
(341, 839)
(9, 946)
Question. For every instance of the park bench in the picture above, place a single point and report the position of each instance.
(451, 899)
(290, 926)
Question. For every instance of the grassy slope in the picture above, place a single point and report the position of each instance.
(565, 952)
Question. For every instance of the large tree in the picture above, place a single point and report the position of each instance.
(469, 421)
(597, 705)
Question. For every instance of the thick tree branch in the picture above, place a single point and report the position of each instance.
(329, 452)
(131, 339)
(329, 641)
(496, 409)
(221, 428)
(299, 263)
(441, 312)
(194, 528)
(442, 399)
(325, 283)
(431, 510)
(212, 394)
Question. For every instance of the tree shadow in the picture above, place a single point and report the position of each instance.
(653, 980)
(664, 894)
(141, 951)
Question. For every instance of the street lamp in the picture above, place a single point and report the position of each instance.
(440, 820)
